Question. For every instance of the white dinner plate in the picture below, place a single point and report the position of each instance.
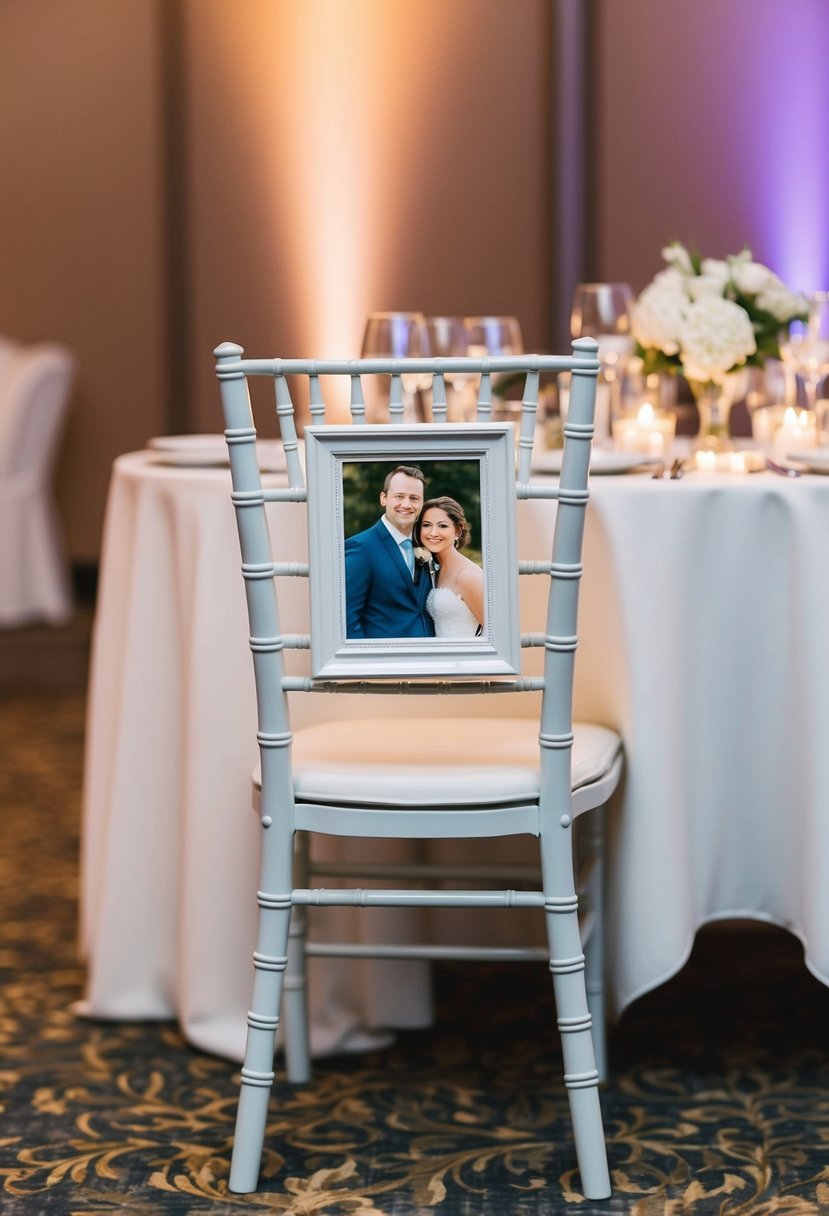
(189, 449)
(206, 451)
(602, 460)
(816, 461)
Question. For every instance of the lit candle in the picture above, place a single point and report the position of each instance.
(648, 430)
(729, 462)
(797, 433)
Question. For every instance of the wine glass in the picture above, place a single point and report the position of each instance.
(806, 351)
(394, 335)
(493, 336)
(602, 311)
(496, 336)
(447, 337)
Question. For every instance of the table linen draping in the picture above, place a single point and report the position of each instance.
(703, 643)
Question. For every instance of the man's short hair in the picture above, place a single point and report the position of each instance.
(410, 470)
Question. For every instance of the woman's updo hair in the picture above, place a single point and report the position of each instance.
(455, 512)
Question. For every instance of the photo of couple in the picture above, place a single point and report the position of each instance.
(406, 575)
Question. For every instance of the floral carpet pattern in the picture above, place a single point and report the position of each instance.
(718, 1100)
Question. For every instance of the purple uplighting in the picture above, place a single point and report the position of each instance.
(787, 78)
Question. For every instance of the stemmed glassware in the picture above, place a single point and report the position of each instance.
(602, 311)
(493, 336)
(496, 336)
(806, 352)
(396, 335)
(447, 337)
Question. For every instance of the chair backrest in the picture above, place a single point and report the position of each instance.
(35, 388)
(262, 567)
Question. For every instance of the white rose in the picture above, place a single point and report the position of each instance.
(716, 268)
(750, 278)
(715, 336)
(677, 255)
(781, 303)
(702, 285)
(671, 279)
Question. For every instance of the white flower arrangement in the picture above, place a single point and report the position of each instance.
(706, 317)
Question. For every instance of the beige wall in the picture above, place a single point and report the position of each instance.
(363, 156)
(337, 156)
(80, 217)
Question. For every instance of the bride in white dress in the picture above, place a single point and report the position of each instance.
(456, 602)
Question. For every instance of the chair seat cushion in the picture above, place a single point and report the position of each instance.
(437, 762)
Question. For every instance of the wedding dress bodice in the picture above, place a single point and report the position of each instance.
(451, 616)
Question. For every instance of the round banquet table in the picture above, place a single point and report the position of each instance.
(704, 643)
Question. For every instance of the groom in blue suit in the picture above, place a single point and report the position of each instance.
(385, 588)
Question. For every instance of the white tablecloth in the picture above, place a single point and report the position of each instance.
(704, 643)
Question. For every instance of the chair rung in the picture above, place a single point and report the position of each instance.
(427, 871)
(422, 687)
(497, 954)
(325, 898)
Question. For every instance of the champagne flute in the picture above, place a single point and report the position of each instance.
(395, 335)
(602, 311)
(806, 352)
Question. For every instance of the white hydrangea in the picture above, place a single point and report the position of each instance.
(671, 279)
(716, 268)
(692, 321)
(715, 336)
(701, 285)
(656, 317)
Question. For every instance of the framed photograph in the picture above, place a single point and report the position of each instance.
(412, 551)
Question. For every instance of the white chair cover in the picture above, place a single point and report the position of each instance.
(35, 384)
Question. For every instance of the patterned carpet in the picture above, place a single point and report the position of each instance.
(718, 1099)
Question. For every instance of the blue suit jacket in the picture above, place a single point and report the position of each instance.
(382, 600)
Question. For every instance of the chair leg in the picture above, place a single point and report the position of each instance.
(295, 1025)
(567, 965)
(593, 828)
(270, 962)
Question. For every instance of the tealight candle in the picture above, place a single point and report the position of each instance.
(796, 433)
(729, 462)
(649, 430)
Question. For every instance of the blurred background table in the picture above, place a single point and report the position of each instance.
(704, 643)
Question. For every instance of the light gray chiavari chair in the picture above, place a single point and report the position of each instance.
(522, 774)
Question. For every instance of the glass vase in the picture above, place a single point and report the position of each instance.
(714, 402)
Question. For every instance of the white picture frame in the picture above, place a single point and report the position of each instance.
(329, 451)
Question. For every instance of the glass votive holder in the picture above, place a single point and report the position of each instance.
(796, 433)
(765, 420)
(648, 429)
(822, 411)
